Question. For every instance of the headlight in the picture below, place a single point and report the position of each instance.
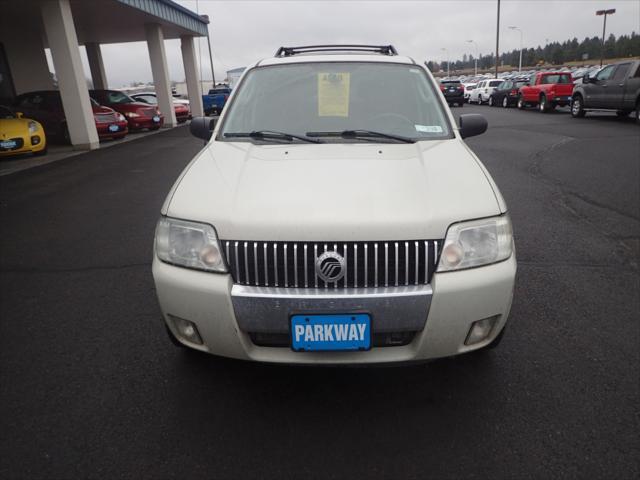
(132, 114)
(120, 117)
(189, 244)
(476, 243)
(33, 127)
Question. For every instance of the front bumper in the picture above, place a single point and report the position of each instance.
(25, 144)
(446, 309)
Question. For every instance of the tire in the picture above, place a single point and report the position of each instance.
(505, 102)
(521, 103)
(638, 113)
(622, 113)
(479, 99)
(577, 107)
(491, 103)
(461, 104)
(543, 104)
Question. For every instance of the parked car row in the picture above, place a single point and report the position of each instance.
(614, 88)
(37, 116)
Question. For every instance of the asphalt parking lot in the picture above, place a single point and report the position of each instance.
(91, 386)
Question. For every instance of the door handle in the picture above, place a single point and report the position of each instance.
(605, 86)
(621, 84)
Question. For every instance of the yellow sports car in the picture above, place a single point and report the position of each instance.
(20, 135)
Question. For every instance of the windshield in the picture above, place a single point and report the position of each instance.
(118, 97)
(335, 97)
(6, 113)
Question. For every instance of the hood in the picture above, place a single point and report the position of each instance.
(333, 192)
(132, 107)
(14, 127)
(102, 109)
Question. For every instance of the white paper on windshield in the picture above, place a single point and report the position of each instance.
(333, 94)
(429, 128)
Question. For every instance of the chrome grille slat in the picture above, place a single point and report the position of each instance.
(246, 263)
(306, 264)
(237, 263)
(287, 264)
(266, 266)
(406, 263)
(295, 265)
(355, 265)
(255, 262)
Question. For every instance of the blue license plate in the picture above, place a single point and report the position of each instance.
(315, 333)
(156, 119)
(9, 144)
(113, 128)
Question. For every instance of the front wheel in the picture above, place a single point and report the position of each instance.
(521, 104)
(543, 104)
(491, 102)
(577, 107)
(505, 102)
(638, 112)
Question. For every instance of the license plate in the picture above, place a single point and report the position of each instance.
(156, 119)
(316, 333)
(8, 144)
(113, 128)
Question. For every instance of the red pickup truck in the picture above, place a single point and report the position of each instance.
(546, 90)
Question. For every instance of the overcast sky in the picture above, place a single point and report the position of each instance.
(244, 31)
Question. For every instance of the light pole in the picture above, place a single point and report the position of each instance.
(476, 57)
(520, 30)
(447, 51)
(604, 13)
(498, 40)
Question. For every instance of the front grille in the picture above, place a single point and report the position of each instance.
(149, 112)
(368, 264)
(105, 117)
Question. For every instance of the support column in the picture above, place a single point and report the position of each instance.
(61, 35)
(96, 65)
(160, 71)
(191, 75)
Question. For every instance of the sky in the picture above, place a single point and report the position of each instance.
(245, 31)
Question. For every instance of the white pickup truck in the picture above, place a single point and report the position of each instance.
(335, 216)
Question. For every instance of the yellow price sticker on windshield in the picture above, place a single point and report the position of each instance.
(333, 94)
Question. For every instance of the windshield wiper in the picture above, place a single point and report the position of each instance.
(361, 134)
(271, 135)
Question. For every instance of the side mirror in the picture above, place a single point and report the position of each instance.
(19, 114)
(472, 124)
(202, 127)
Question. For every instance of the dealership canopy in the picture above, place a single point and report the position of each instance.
(28, 27)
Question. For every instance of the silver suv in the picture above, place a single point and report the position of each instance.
(335, 216)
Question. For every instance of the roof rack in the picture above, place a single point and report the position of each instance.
(381, 49)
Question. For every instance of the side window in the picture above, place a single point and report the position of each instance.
(637, 75)
(532, 79)
(506, 86)
(621, 71)
(605, 73)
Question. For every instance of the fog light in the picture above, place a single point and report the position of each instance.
(35, 140)
(480, 330)
(187, 330)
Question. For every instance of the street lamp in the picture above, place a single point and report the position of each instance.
(476, 57)
(604, 13)
(447, 51)
(520, 30)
